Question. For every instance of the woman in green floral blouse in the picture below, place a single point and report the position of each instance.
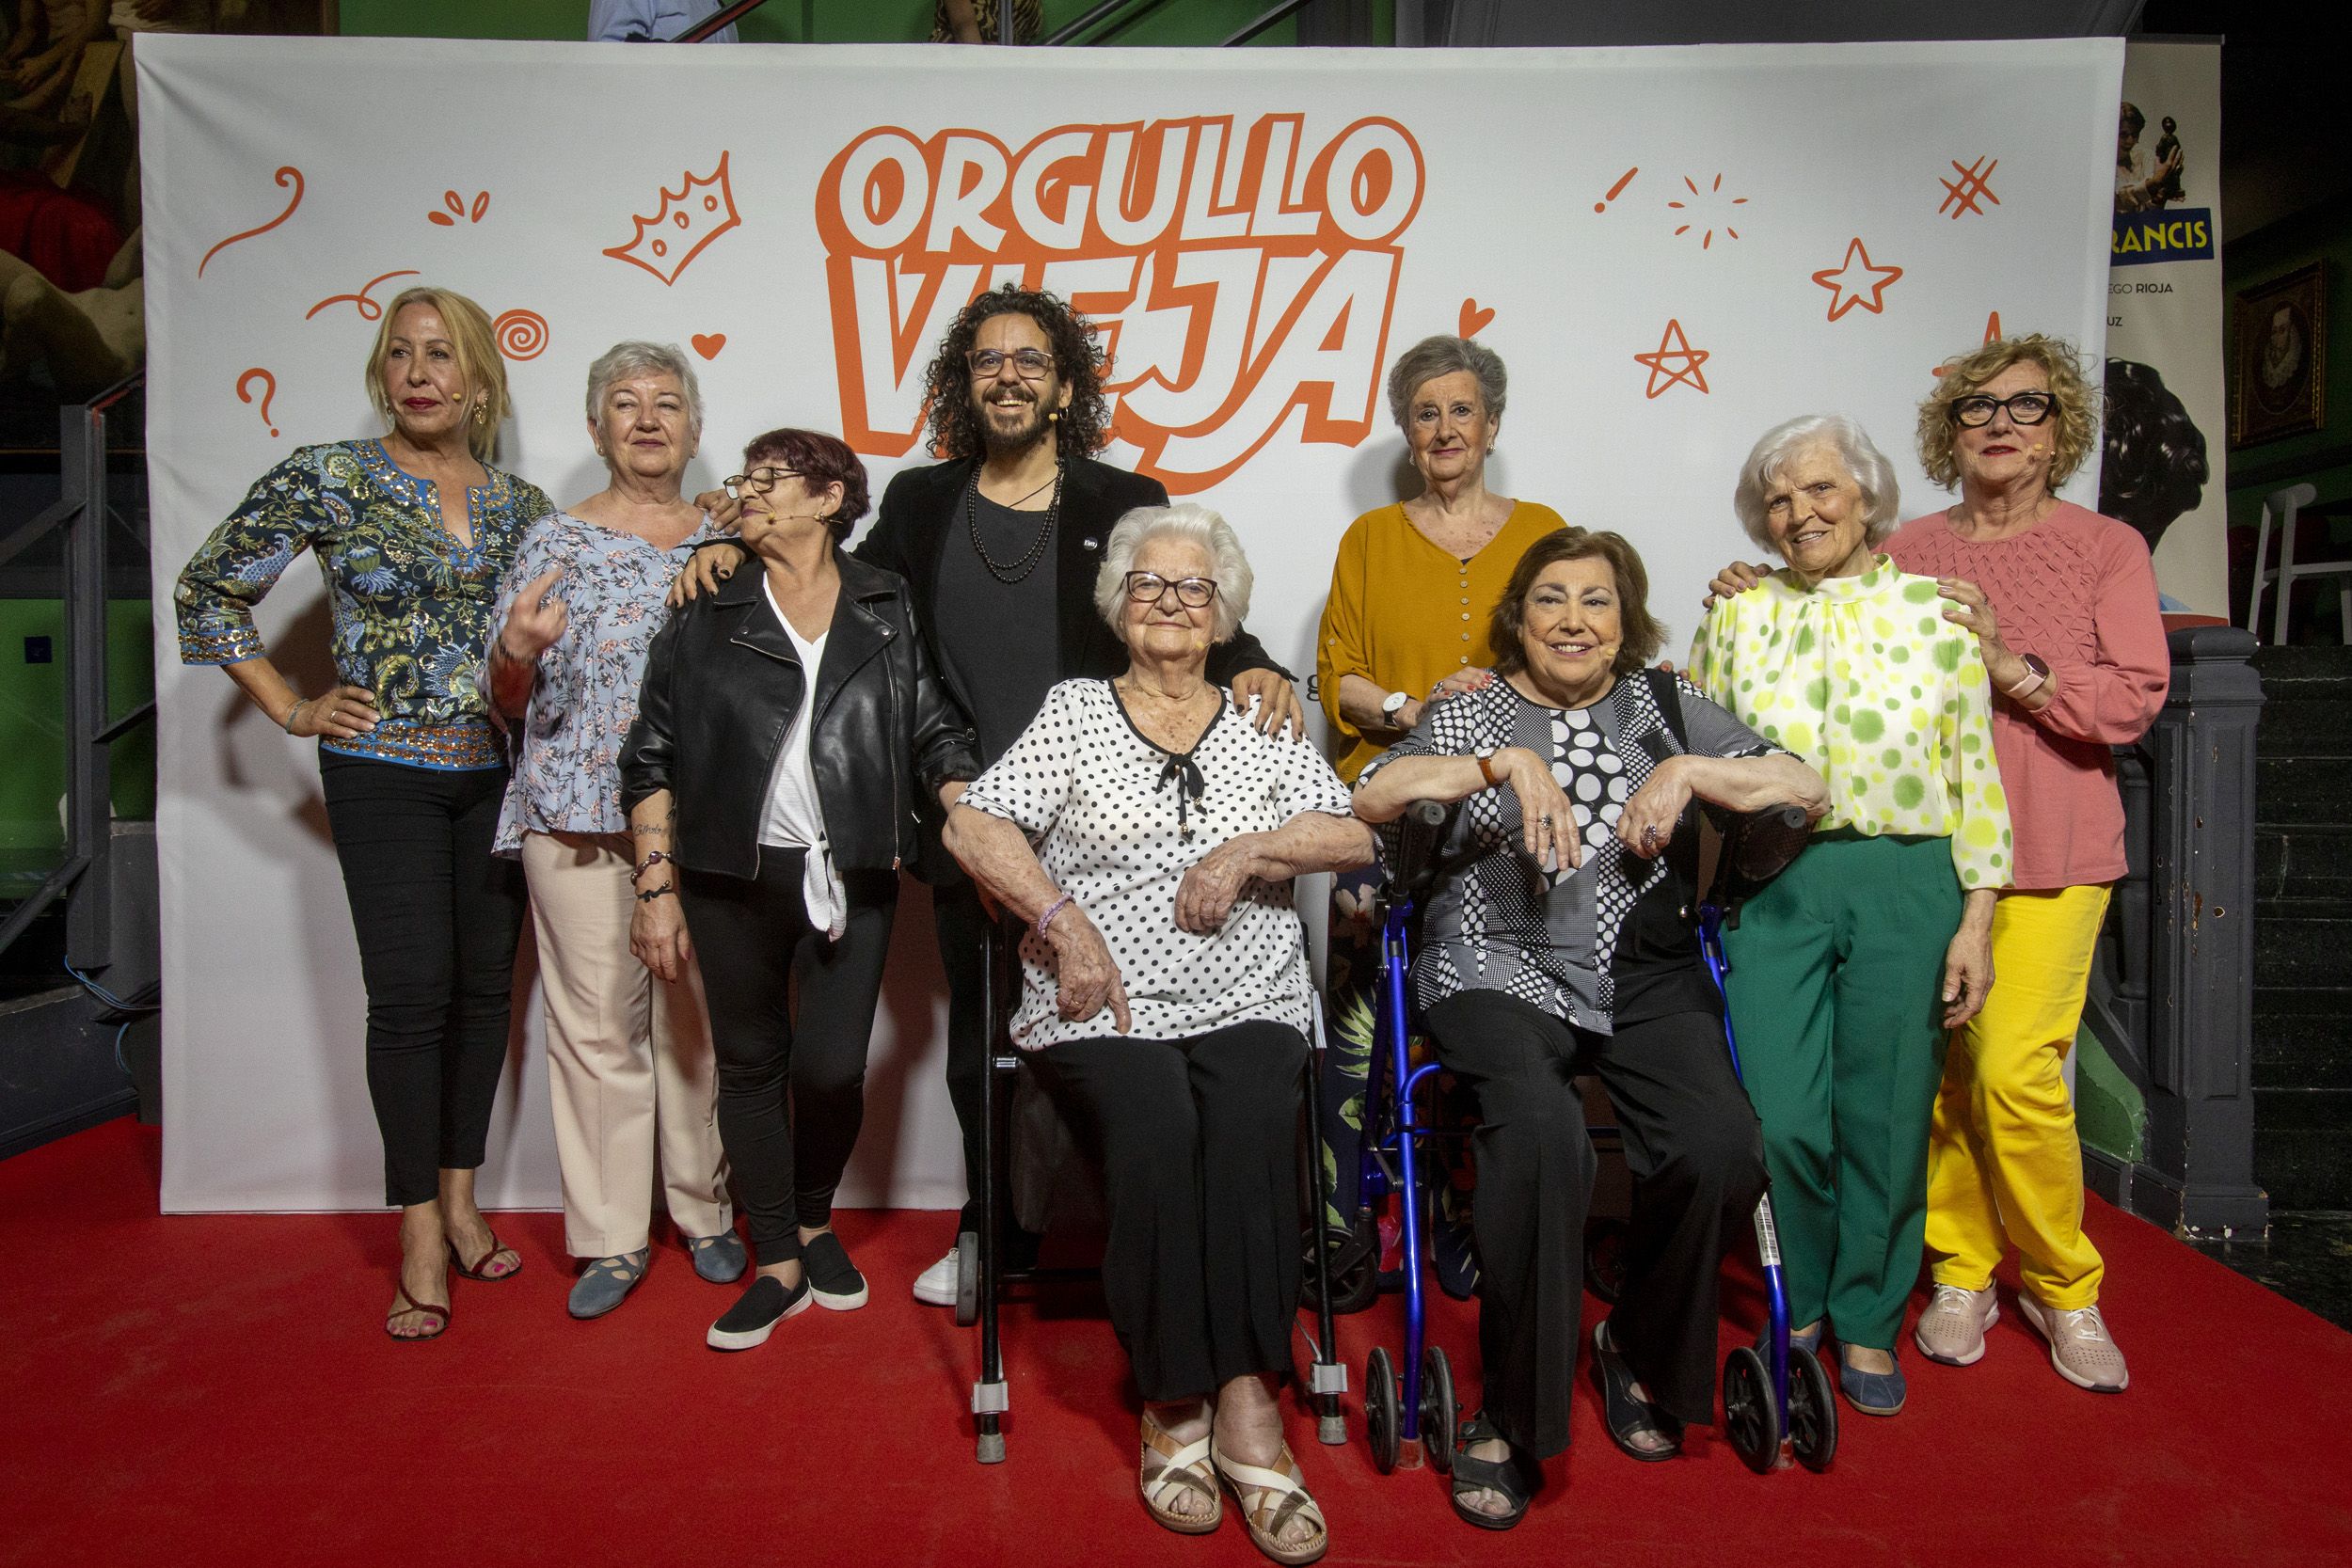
(1851, 964)
(413, 533)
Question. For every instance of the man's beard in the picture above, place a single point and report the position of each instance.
(1000, 442)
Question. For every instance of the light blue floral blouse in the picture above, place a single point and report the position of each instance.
(411, 604)
(568, 775)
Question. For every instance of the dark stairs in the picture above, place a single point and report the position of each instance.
(2303, 928)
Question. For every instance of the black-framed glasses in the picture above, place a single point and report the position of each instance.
(1149, 588)
(2024, 408)
(1031, 364)
(758, 481)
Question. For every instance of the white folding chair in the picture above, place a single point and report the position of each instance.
(2284, 504)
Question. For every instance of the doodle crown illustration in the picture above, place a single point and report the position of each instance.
(687, 220)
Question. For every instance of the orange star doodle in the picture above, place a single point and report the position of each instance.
(1844, 296)
(1674, 345)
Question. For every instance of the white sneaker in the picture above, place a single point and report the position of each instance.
(1951, 1330)
(2080, 1347)
(936, 1284)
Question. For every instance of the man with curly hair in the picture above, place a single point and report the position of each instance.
(1001, 542)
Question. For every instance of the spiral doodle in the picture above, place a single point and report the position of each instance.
(288, 175)
(521, 334)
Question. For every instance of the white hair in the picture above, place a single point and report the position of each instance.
(1228, 565)
(1882, 496)
(625, 359)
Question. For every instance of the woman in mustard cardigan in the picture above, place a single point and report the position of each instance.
(1405, 624)
(1851, 964)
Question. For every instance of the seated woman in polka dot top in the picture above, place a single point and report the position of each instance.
(1553, 944)
(1165, 987)
(1855, 960)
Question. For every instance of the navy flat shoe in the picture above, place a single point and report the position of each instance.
(1873, 1393)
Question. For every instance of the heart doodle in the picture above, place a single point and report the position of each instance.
(707, 344)
(1474, 320)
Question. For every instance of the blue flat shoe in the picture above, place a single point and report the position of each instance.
(1809, 1342)
(1873, 1393)
(606, 1281)
(719, 1258)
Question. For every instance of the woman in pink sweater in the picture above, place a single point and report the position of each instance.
(2063, 603)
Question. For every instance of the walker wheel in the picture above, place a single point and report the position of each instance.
(1437, 1409)
(1812, 1414)
(1349, 1268)
(1604, 1258)
(1751, 1425)
(967, 1278)
(1381, 1419)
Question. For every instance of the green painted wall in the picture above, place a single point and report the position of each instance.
(1168, 23)
(32, 726)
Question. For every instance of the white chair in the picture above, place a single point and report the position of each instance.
(2284, 504)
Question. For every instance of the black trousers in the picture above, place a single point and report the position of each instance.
(791, 1090)
(436, 915)
(1696, 1156)
(1199, 1143)
(963, 926)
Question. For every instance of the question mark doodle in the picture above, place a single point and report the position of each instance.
(269, 390)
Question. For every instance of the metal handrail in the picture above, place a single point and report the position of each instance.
(717, 20)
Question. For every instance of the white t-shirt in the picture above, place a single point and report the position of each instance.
(1101, 802)
(793, 817)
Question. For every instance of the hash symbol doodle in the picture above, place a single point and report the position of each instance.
(1845, 292)
(1674, 345)
(1960, 196)
(688, 219)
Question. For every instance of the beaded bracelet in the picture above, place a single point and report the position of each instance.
(1052, 910)
(652, 858)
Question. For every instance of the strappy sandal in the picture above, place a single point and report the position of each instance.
(407, 1304)
(1510, 1475)
(481, 1265)
(1626, 1417)
(1271, 1499)
(1170, 1469)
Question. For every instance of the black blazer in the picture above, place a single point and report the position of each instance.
(922, 511)
(722, 683)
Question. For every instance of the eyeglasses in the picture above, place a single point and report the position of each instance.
(1033, 364)
(2024, 408)
(1149, 588)
(759, 481)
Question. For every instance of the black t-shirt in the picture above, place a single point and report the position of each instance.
(1001, 640)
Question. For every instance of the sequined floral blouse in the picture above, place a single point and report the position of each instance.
(411, 604)
(567, 768)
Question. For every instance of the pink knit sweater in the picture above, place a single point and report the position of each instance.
(2078, 589)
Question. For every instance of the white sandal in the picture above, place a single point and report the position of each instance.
(1170, 1469)
(1271, 1499)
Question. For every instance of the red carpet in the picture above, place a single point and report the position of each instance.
(203, 1391)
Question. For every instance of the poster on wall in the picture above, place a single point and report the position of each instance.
(2167, 415)
(1672, 250)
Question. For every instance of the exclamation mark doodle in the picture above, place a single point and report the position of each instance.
(1623, 181)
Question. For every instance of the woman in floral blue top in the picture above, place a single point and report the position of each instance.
(413, 534)
(629, 1067)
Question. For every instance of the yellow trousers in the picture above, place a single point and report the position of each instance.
(2003, 1165)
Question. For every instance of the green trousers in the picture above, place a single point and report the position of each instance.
(1835, 993)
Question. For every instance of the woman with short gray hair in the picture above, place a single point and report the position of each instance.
(630, 1066)
(1165, 987)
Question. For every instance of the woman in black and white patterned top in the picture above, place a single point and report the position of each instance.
(1555, 942)
(1165, 990)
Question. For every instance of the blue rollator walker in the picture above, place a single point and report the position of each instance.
(1416, 1423)
(1777, 1406)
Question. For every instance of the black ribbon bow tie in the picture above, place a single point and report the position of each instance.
(1185, 774)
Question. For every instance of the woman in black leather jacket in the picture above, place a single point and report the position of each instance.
(776, 810)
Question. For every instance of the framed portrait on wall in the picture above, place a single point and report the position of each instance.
(2280, 357)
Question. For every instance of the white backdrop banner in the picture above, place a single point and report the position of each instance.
(1672, 250)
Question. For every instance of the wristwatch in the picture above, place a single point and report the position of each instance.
(1393, 703)
(2036, 673)
(1486, 755)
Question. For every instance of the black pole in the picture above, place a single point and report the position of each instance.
(1068, 32)
(1288, 7)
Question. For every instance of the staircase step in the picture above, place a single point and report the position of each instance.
(2301, 950)
(2298, 862)
(2306, 726)
(2305, 670)
(2302, 790)
(2303, 1038)
(2303, 1147)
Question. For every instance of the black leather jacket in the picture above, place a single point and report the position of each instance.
(723, 685)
